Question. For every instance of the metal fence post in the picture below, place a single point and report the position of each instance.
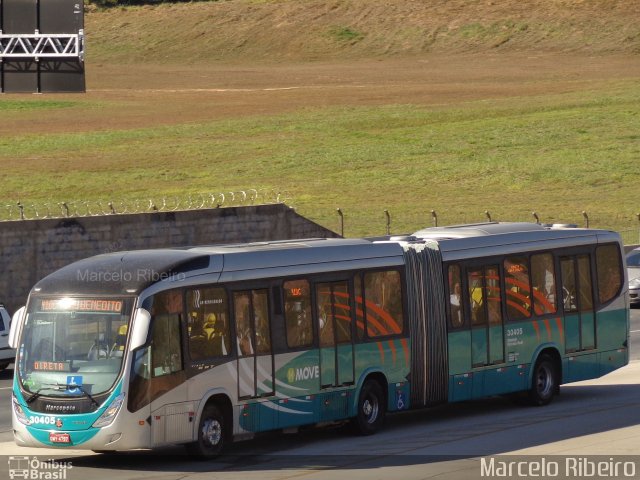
(386, 212)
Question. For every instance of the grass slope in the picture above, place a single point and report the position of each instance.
(294, 30)
(557, 155)
(481, 127)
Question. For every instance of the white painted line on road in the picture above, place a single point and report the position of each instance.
(634, 331)
(6, 388)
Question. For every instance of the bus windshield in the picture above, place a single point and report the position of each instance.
(73, 346)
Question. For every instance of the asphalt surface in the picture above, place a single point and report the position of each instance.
(597, 417)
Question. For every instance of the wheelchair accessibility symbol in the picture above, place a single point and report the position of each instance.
(74, 384)
(400, 404)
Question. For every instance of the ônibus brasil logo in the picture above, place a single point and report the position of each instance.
(32, 468)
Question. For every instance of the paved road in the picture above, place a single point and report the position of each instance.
(599, 417)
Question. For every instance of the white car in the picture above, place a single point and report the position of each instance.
(633, 271)
(7, 354)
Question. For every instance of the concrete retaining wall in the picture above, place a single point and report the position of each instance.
(31, 249)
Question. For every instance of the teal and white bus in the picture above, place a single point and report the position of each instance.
(205, 345)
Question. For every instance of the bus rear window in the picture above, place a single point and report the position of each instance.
(609, 272)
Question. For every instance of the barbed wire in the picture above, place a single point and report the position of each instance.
(92, 208)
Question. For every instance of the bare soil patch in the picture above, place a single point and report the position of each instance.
(151, 95)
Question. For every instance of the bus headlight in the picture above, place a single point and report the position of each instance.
(110, 413)
(19, 411)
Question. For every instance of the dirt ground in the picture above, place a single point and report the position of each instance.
(124, 97)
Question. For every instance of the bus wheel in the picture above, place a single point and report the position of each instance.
(210, 434)
(3, 366)
(544, 384)
(371, 408)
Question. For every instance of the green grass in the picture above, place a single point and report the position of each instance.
(15, 105)
(556, 155)
(345, 34)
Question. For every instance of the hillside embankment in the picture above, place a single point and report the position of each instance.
(312, 30)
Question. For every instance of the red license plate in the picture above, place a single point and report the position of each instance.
(59, 438)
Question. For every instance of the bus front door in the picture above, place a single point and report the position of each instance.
(335, 327)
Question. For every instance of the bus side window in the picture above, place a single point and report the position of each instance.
(517, 288)
(244, 326)
(298, 318)
(569, 298)
(609, 271)
(359, 295)
(544, 284)
(383, 301)
(493, 295)
(586, 288)
(166, 354)
(208, 328)
(261, 315)
(455, 297)
(476, 297)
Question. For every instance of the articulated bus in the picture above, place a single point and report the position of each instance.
(202, 346)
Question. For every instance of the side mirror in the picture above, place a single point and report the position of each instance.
(140, 329)
(16, 327)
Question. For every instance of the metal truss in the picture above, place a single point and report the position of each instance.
(42, 45)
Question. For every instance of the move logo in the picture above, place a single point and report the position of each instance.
(303, 373)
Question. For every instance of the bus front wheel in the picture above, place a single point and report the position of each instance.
(545, 381)
(371, 408)
(210, 434)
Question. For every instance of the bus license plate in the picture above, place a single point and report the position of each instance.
(59, 438)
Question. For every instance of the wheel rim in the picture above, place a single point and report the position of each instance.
(370, 408)
(211, 432)
(544, 381)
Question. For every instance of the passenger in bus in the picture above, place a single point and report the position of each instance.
(171, 302)
(99, 349)
(198, 342)
(217, 335)
(326, 325)
(245, 342)
(263, 341)
(456, 312)
(298, 325)
(117, 349)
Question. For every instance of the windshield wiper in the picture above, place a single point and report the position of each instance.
(36, 394)
(61, 386)
(71, 386)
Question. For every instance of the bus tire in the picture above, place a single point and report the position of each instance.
(3, 366)
(211, 429)
(371, 408)
(544, 384)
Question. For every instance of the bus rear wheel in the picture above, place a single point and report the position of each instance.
(371, 408)
(211, 431)
(545, 381)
